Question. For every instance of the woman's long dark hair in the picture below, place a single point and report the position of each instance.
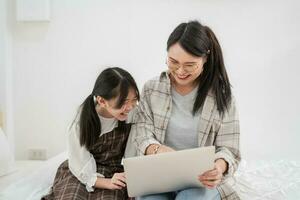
(111, 83)
(200, 41)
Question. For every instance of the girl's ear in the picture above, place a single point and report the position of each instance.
(101, 101)
(204, 59)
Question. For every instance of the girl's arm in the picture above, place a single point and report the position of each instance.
(81, 162)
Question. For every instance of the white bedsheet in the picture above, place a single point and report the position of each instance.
(21, 168)
(265, 180)
(36, 184)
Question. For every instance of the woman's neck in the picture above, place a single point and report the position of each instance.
(184, 89)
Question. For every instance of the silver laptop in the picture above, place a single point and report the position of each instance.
(167, 172)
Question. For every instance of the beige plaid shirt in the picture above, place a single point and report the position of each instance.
(152, 117)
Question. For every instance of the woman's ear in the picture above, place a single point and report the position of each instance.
(101, 101)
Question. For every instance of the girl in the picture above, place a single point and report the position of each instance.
(188, 106)
(97, 140)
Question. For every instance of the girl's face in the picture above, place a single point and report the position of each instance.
(108, 107)
(183, 66)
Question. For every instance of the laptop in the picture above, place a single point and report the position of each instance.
(167, 172)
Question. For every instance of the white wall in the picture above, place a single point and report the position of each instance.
(6, 107)
(2, 56)
(55, 64)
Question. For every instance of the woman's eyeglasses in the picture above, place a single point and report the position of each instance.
(173, 65)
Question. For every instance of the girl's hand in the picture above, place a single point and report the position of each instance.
(117, 182)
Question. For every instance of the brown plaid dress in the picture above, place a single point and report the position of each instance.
(108, 152)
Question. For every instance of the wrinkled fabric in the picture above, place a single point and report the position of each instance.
(268, 180)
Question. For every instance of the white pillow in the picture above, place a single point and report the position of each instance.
(6, 157)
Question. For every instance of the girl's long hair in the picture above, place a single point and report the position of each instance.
(111, 83)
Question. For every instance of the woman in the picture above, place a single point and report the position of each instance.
(97, 140)
(191, 106)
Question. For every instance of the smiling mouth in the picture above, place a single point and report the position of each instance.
(182, 77)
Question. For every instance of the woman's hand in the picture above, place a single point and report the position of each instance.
(158, 148)
(164, 149)
(212, 178)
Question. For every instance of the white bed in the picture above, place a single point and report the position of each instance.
(269, 180)
(19, 170)
(276, 180)
(32, 180)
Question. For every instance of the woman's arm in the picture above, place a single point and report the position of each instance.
(227, 149)
(142, 131)
(228, 139)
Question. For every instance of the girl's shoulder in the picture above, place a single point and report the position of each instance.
(75, 121)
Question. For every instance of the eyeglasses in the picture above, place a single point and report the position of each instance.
(173, 65)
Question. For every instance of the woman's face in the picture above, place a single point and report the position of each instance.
(120, 114)
(184, 67)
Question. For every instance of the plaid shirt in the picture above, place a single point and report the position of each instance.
(151, 121)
